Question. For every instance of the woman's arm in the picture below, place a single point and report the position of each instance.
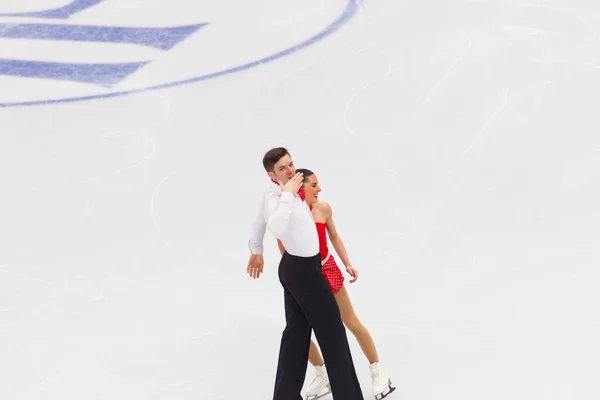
(335, 238)
(338, 245)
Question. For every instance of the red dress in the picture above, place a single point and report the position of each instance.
(331, 271)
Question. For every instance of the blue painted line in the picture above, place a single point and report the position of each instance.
(159, 38)
(99, 74)
(346, 15)
(64, 12)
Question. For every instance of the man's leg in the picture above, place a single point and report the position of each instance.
(311, 291)
(293, 351)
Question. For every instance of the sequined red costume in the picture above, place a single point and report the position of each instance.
(331, 271)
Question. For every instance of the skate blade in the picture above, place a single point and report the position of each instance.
(389, 390)
(318, 396)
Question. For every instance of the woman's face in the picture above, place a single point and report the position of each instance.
(311, 188)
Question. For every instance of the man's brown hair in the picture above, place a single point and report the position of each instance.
(273, 156)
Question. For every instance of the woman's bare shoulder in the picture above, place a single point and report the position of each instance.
(322, 206)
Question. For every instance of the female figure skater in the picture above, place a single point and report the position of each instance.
(322, 214)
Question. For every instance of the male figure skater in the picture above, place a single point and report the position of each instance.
(309, 303)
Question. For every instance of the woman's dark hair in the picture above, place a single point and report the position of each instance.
(307, 173)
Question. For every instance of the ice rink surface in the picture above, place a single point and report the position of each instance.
(458, 143)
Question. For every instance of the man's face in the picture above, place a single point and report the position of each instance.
(284, 170)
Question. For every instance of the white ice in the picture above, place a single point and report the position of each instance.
(458, 143)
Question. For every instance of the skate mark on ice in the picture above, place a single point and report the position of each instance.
(129, 167)
(354, 96)
(361, 23)
(99, 297)
(444, 77)
(154, 220)
(566, 61)
(489, 120)
(564, 12)
(202, 335)
(143, 135)
(35, 278)
(347, 109)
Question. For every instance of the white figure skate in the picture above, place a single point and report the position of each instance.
(382, 384)
(319, 386)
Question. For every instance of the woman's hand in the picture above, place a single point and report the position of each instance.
(353, 273)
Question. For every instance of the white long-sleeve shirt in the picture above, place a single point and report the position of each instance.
(289, 219)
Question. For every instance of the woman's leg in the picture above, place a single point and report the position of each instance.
(381, 381)
(382, 384)
(355, 326)
(314, 356)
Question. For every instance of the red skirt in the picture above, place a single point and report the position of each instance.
(332, 273)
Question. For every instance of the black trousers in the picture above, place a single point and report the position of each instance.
(309, 304)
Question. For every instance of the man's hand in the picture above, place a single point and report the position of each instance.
(353, 273)
(255, 265)
(293, 184)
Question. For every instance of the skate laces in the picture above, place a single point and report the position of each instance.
(319, 381)
(376, 374)
(319, 375)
